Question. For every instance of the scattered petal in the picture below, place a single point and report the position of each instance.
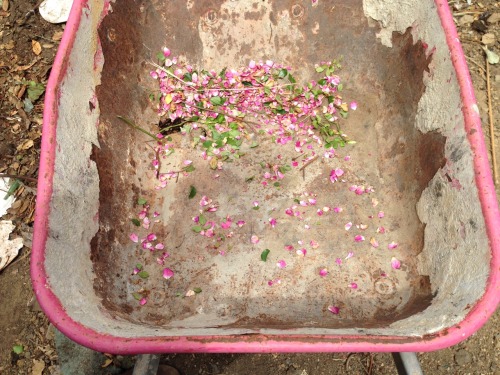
(381, 214)
(374, 242)
(273, 222)
(143, 301)
(353, 105)
(134, 237)
(348, 226)
(314, 244)
(396, 264)
(350, 254)
(353, 286)
(381, 230)
(281, 264)
(254, 239)
(168, 273)
(338, 209)
(240, 223)
(338, 261)
(323, 272)
(190, 293)
(392, 245)
(334, 309)
(301, 252)
(359, 238)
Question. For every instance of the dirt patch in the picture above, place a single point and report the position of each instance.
(22, 322)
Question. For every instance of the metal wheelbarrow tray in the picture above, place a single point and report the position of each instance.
(419, 144)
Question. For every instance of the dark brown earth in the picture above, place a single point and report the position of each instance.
(27, 49)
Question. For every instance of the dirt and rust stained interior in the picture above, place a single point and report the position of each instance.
(394, 157)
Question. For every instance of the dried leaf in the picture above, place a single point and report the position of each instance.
(25, 145)
(5, 5)
(57, 36)
(107, 362)
(491, 56)
(37, 48)
(38, 367)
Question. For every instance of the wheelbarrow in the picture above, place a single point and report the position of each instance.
(419, 147)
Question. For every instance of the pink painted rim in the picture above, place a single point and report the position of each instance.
(260, 343)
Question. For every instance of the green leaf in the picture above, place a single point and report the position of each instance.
(202, 220)
(161, 57)
(255, 208)
(254, 144)
(138, 266)
(197, 290)
(264, 255)
(136, 222)
(143, 274)
(188, 77)
(248, 179)
(285, 168)
(12, 189)
(197, 229)
(282, 73)
(320, 69)
(35, 90)
(141, 201)
(267, 90)
(192, 192)
(291, 79)
(189, 168)
(277, 184)
(18, 349)
(137, 296)
(216, 100)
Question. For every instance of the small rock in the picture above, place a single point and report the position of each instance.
(479, 26)
(462, 357)
(494, 18)
(465, 20)
(488, 39)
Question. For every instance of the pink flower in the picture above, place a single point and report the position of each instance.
(392, 245)
(335, 174)
(254, 239)
(323, 272)
(281, 264)
(255, 203)
(374, 242)
(353, 105)
(166, 52)
(227, 223)
(272, 222)
(334, 309)
(359, 238)
(353, 286)
(396, 264)
(168, 273)
(134, 237)
(205, 201)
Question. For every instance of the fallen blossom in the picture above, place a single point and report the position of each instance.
(323, 272)
(359, 238)
(353, 105)
(381, 230)
(338, 261)
(313, 244)
(381, 214)
(392, 245)
(254, 239)
(353, 286)
(289, 247)
(275, 281)
(159, 246)
(374, 242)
(348, 226)
(334, 309)
(338, 209)
(134, 237)
(240, 223)
(151, 237)
(190, 293)
(227, 223)
(168, 273)
(143, 301)
(301, 252)
(350, 254)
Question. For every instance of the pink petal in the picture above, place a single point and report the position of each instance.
(338, 261)
(319, 212)
(289, 247)
(348, 226)
(359, 238)
(168, 273)
(281, 264)
(381, 214)
(134, 237)
(188, 162)
(392, 245)
(273, 222)
(350, 254)
(312, 201)
(254, 239)
(353, 286)
(143, 301)
(353, 105)
(337, 209)
(240, 223)
(166, 52)
(323, 272)
(314, 244)
(374, 242)
(334, 309)
(159, 246)
(301, 252)
(151, 237)
(255, 203)
(347, 158)
(396, 264)
(381, 230)
(226, 224)
(339, 172)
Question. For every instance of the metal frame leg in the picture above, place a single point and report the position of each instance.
(407, 363)
(146, 364)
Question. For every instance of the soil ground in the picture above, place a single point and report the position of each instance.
(27, 49)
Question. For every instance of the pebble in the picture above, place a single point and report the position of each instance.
(488, 39)
(462, 357)
(467, 19)
(494, 18)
